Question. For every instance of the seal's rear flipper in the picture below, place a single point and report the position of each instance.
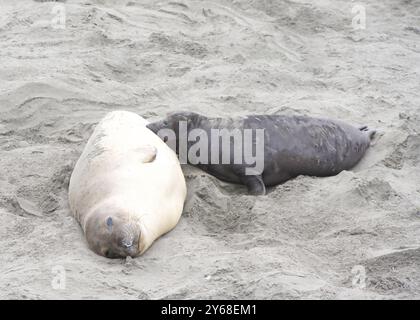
(255, 185)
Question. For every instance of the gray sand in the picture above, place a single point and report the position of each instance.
(219, 58)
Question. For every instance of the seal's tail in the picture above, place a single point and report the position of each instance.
(370, 132)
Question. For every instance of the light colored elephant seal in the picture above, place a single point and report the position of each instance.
(127, 188)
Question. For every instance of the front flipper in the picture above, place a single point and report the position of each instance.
(147, 153)
(255, 185)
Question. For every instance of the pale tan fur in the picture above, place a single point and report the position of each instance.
(126, 166)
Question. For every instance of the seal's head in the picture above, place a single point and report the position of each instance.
(173, 120)
(111, 233)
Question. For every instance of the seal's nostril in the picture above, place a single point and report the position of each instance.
(127, 244)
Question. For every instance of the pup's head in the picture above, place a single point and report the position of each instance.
(173, 120)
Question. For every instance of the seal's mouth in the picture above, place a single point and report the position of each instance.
(111, 254)
(120, 244)
(123, 251)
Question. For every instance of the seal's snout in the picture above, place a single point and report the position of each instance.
(370, 132)
(127, 244)
(118, 247)
(159, 125)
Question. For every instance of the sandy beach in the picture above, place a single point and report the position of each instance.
(64, 65)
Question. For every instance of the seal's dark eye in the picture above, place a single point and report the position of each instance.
(109, 222)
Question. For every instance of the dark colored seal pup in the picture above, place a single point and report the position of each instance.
(290, 145)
